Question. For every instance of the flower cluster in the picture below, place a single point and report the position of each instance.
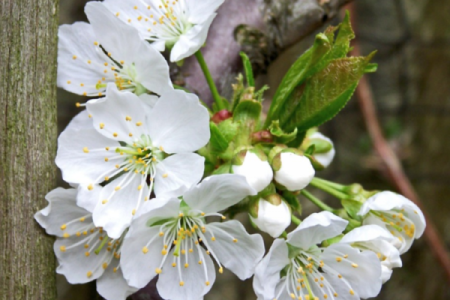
(155, 174)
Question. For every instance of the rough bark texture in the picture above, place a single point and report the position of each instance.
(28, 33)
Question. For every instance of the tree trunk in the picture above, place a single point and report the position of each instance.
(28, 35)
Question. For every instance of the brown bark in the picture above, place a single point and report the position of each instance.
(28, 34)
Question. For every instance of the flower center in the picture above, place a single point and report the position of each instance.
(397, 222)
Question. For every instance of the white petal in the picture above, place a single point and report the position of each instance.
(194, 277)
(178, 170)
(273, 219)
(316, 228)
(62, 209)
(149, 100)
(296, 171)
(80, 62)
(74, 264)
(257, 172)
(115, 36)
(191, 41)
(199, 11)
(116, 115)
(112, 286)
(81, 155)
(139, 267)
(366, 233)
(242, 256)
(88, 196)
(386, 274)
(115, 214)
(267, 273)
(365, 274)
(179, 123)
(81, 121)
(218, 192)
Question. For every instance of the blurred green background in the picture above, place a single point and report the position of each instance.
(412, 93)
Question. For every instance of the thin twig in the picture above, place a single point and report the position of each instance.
(394, 168)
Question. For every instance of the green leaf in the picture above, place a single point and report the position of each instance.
(323, 95)
(281, 137)
(248, 69)
(218, 142)
(342, 43)
(304, 67)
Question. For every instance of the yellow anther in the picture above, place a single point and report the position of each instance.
(117, 14)
(87, 253)
(85, 232)
(164, 252)
(63, 226)
(346, 255)
(89, 62)
(89, 274)
(174, 264)
(186, 265)
(69, 82)
(115, 270)
(235, 240)
(117, 188)
(181, 215)
(74, 57)
(352, 292)
(62, 248)
(161, 233)
(84, 94)
(133, 212)
(325, 296)
(207, 283)
(104, 201)
(207, 252)
(85, 150)
(165, 175)
(115, 134)
(181, 283)
(224, 218)
(106, 159)
(102, 125)
(339, 276)
(354, 265)
(338, 259)
(213, 239)
(202, 213)
(130, 134)
(183, 251)
(145, 250)
(109, 54)
(105, 265)
(127, 118)
(78, 233)
(66, 235)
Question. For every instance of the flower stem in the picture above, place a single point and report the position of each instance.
(284, 235)
(295, 220)
(209, 79)
(316, 201)
(330, 190)
(334, 185)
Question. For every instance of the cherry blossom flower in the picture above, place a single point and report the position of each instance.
(324, 158)
(180, 25)
(397, 214)
(293, 171)
(107, 51)
(378, 240)
(128, 152)
(84, 251)
(272, 218)
(175, 242)
(297, 268)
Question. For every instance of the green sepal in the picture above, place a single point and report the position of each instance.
(332, 241)
(229, 129)
(223, 169)
(281, 136)
(248, 69)
(247, 110)
(352, 206)
(310, 150)
(293, 202)
(317, 165)
(218, 142)
(238, 89)
(293, 251)
(267, 191)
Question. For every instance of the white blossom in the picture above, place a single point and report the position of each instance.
(257, 172)
(325, 158)
(107, 51)
(381, 242)
(128, 152)
(180, 25)
(273, 219)
(297, 268)
(175, 241)
(84, 251)
(395, 213)
(295, 171)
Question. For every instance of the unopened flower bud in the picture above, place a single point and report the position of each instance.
(324, 154)
(292, 170)
(274, 217)
(254, 166)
